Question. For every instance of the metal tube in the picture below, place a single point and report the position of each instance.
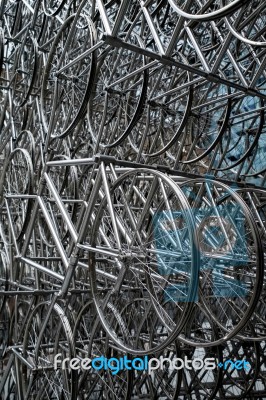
(41, 268)
(53, 232)
(61, 207)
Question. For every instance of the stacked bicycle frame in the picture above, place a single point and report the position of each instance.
(132, 197)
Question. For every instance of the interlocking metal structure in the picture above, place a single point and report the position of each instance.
(132, 195)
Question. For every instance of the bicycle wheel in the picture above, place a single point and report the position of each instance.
(165, 115)
(16, 180)
(231, 271)
(164, 382)
(12, 15)
(4, 329)
(244, 129)
(254, 165)
(64, 95)
(24, 71)
(118, 95)
(248, 25)
(197, 379)
(142, 258)
(211, 10)
(20, 309)
(238, 383)
(93, 342)
(255, 199)
(4, 275)
(207, 122)
(42, 380)
(4, 309)
(25, 140)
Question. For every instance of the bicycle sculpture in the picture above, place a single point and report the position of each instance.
(132, 198)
